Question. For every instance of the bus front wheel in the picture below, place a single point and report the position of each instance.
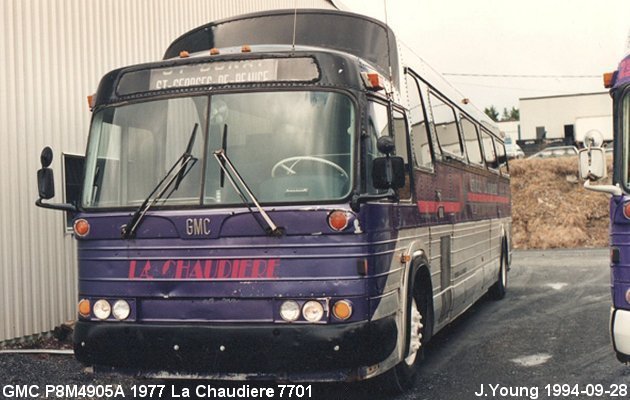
(402, 377)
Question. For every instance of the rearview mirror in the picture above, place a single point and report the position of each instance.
(388, 173)
(46, 183)
(593, 164)
(45, 176)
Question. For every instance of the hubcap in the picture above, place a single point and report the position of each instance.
(416, 334)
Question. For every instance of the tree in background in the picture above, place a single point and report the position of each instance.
(507, 115)
(492, 113)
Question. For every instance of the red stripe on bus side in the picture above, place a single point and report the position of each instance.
(487, 198)
(432, 206)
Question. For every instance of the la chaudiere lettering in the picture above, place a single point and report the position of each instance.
(204, 269)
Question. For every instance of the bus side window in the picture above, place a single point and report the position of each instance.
(472, 141)
(400, 139)
(501, 157)
(445, 126)
(488, 150)
(419, 134)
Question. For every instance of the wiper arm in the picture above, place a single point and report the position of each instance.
(175, 174)
(224, 161)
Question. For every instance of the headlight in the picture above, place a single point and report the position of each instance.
(290, 311)
(121, 310)
(102, 309)
(313, 311)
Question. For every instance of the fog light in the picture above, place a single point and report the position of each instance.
(121, 310)
(313, 311)
(102, 309)
(342, 310)
(84, 308)
(290, 311)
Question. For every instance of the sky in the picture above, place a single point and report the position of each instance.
(556, 38)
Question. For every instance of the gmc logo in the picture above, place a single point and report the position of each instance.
(198, 226)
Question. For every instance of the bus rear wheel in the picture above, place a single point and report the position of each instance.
(498, 290)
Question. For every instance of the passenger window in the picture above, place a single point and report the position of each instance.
(472, 141)
(445, 127)
(488, 150)
(400, 139)
(419, 134)
(501, 157)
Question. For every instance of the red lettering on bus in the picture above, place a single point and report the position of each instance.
(205, 269)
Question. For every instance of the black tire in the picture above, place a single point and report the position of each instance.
(402, 377)
(498, 290)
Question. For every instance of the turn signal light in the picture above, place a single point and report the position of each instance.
(84, 308)
(626, 210)
(81, 227)
(342, 310)
(338, 220)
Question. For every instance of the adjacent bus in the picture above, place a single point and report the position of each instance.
(287, 195)
(593, 167)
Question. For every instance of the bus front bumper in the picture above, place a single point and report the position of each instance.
(620, 333)
(232, 351)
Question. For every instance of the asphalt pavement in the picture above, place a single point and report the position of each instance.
(547, 339)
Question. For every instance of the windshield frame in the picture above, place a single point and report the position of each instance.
(353, 174)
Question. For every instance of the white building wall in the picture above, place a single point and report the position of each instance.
(510, 129)
(554, 112)
(54, 53)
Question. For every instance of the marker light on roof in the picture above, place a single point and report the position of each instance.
(184, 54)
(373, 80)
(214, 51)
(608, 79)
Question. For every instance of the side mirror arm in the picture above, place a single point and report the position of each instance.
(358, 199)
(59, 206)
(609, 189)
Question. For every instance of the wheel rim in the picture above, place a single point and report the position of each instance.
(503, 276)
(415, 337)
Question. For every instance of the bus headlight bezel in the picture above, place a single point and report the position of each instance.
(102, 309)
(290, 311)
(313, 311)
(121, 310)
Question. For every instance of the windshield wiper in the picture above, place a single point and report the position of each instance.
(175, 174)
(223, 161)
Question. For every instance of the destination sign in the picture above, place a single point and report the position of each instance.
(301, 69)
(220, 73)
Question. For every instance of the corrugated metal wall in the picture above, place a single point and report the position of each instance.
(53, 53)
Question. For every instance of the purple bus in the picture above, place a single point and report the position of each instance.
(288, 195)
(592, 168)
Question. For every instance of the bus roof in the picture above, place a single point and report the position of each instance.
(364, 37)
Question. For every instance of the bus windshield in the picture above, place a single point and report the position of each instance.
(293, 146)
